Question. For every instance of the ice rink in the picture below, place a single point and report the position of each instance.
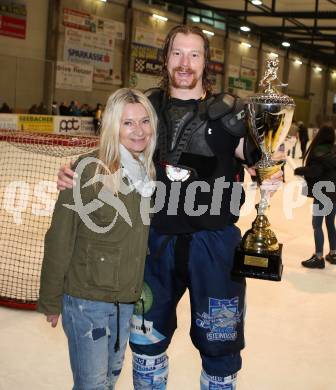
(290, 326)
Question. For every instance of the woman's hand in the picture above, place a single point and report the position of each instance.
(65, 178)
(53, 319)
(271, 185)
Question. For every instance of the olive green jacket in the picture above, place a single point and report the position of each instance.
(86, 264)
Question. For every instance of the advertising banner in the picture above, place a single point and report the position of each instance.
(111, 28)
(247, 73)
(74, 76)
(216, 67)
(247, 62)
(217, 55)
(240, 83)
(91, 49)
(142, 65)
(142, 51)
(233, 71)
(35, 123)
(149, 38)
(86, 22)
(8, 121)
(13, 19)
(87, 40)
(73, 125)
(143, 81)
(100, 59)
(80, 125)
(77, 19)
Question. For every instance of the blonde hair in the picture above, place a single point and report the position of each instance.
(109, 147)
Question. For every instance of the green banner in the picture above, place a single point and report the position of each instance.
(236, 82)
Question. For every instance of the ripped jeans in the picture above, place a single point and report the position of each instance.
(91, 329)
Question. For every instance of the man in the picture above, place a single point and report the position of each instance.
(201, 145)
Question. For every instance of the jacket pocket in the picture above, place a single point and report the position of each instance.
(111, 222)
(103, 266)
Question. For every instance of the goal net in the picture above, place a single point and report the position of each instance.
(29, 163)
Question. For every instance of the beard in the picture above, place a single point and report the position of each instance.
(182, 83)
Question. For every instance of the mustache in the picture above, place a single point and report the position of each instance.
(183, 69)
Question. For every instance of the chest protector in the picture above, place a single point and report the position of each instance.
(183, 124)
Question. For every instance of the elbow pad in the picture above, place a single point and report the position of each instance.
(230, 111)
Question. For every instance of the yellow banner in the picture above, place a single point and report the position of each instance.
(36, 123)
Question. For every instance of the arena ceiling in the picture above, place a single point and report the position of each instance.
(309, 25)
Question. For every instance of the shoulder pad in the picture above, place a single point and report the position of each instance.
(220, 105)
(229, 110)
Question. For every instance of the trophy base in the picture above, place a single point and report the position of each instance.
(259, 266)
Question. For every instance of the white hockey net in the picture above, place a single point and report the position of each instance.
(29, 164)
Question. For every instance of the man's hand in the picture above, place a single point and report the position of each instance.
(53, 319)
(65, 178)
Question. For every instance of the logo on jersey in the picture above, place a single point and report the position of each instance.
(221, 320)
(177, 173)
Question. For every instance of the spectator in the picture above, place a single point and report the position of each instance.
(85, 110)
(5, 109)
(320, 165)
(97, 118)
(74, 109)
(303, 137)
(63, 109)
(33, 110)
(42, 109)
(54, 108)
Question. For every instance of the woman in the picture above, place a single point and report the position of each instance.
(320, 166)
(94, 257)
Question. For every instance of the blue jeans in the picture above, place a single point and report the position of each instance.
(318, 232)
(91, 329)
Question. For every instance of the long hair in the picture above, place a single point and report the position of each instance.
(184, 29)
(109, 147)
(325, 136)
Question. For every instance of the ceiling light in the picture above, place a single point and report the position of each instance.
(207, 32)
(245, 44)
(256, 2)
(333, 74)
(318, 69)
(298, 62)
(104, 1)
(245, 28)
(285, 44)
(159, 17)
(274, 55)
(195, 19)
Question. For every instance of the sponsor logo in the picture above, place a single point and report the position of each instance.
(66, 125)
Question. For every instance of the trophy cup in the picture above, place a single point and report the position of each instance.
(269, 115)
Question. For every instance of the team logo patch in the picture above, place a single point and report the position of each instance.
(221, 320)
(145, 302)
(177, 173)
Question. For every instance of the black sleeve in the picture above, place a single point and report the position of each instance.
(252, 153)
(313, 171)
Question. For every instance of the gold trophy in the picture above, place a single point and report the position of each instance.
(269, 115)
